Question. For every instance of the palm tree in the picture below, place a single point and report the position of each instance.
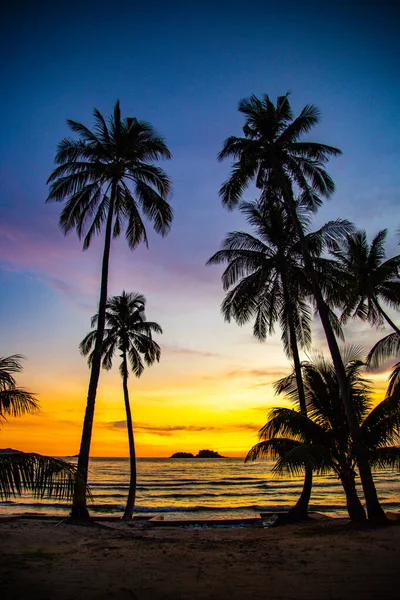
(128, 333)
(367, 279)
(105, 177)
(272, 155)
(273, 287)
(322, 440)
(44, 476)
(387, 347)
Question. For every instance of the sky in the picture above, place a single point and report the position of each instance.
(183, 67)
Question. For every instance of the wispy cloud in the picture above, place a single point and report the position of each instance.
(268, 375)
(169, 430)
(188, 351)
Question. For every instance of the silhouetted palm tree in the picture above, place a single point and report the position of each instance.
(128, 333)
(44, 476)
(272, 156)
(322, 440)
(271, 285)
(367, 279)
(106, 177)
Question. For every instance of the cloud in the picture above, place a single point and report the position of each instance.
(267, 374)
(43, 258)
(169, 430)
(189, 351)
(273, 373)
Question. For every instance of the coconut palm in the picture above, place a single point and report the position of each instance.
(322, 440)
(107, 178)
(272, 155)
(384, 349)
(128, 333)
(367, 279)
(43, 476)
(271, 285)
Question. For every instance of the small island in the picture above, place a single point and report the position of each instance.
(200, 454)
(182, 455)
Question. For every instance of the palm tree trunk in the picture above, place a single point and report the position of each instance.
(354, 507)
(79, 509)
(374, 509)
(130, 503)
(299, 511)
(386, 317)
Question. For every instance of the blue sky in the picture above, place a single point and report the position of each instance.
(183, 67)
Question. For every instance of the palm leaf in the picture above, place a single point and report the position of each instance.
(44, 476)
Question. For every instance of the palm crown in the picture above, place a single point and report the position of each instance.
(126, 331)
(271, 152)
(110, 168)
(256, 265)
(367, 278)
(261, 266)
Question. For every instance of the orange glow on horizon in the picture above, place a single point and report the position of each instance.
(221, 413)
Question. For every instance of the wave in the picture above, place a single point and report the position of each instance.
(168, 484)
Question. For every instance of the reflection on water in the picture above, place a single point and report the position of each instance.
(204, 488)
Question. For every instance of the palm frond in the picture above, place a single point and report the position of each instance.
(314, 457)
(384, 458)
(16, 402)
(387, 347)
(44, 476)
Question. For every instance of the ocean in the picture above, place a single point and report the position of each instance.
(202, 488)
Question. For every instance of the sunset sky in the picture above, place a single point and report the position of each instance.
(183, 68)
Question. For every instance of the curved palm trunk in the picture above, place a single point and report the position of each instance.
(386, 317)
(374, 509)
(79, 509)
(130, 503)
(300, 510)
(354, 507)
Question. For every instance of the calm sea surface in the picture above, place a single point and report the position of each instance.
(208, 488)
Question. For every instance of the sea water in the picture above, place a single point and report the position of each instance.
(203, 489)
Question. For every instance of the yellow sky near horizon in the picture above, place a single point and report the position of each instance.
(219, 411)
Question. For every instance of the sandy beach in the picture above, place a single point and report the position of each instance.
(46, 559)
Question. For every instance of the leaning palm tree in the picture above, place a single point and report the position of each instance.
(106, 178)
(322, 440)
(271, 285)
(128, 333)
(43, 476)
(272, 155)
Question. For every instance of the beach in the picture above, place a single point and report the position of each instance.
(318, 559)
